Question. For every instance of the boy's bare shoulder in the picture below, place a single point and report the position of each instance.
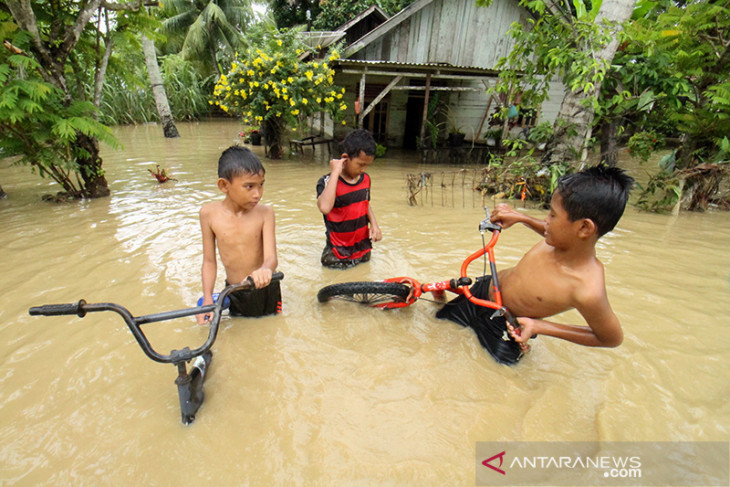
(592, 286)
(211, 207)
(264, 208)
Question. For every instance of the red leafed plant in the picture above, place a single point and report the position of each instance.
(160, 174)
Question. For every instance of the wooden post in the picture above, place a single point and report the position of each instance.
(486, 114)
(361, 117)
(425, 110)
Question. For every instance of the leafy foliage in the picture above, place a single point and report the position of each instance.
(206, 31)
(127, 98)
(271, 83)
(682, 55)
(39, 125)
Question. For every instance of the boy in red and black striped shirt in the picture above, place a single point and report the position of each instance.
(343, 197)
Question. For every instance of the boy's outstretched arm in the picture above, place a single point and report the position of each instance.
(603, 330)
(262, 276)
(507, 216)
(209, 268)
(326, 200)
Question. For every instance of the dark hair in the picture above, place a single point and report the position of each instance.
(237, 160)
(357, 141)
(599, 193)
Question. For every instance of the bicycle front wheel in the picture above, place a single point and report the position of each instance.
(371, 293)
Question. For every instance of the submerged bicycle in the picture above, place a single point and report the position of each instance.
(189, 381)
(399, 292)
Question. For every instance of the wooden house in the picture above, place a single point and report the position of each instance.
(432, 53)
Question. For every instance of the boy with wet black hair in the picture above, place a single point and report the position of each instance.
(343, 197)
(560, 273)
(243, 231)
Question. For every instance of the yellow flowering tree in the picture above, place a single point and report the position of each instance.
(272, 87)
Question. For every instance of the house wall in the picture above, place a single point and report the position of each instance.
(455, 32)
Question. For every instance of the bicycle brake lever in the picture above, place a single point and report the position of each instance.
(487, 224)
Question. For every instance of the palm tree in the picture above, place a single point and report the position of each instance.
(199, 29)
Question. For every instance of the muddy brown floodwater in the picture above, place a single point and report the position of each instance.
(326, 394)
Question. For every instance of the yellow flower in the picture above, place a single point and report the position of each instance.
(290, 79)
(344, 123)
(309, 75)
(295, 111)
(343, 107)
(304, 100)
(319, 100)
(291, 102)
(278, 41)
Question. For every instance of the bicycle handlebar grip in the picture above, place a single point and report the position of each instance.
(59, 309)
(277, 276)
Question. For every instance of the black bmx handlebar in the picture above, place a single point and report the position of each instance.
(81, 308)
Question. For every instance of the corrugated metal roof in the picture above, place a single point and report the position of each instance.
(442, 68)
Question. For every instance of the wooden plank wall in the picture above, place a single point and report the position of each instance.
(450, 31)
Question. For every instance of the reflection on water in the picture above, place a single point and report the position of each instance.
(326, 394)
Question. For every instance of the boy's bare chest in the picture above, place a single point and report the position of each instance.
(540, 287)
(233, 231)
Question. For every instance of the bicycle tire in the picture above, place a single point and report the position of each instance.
(371, 293)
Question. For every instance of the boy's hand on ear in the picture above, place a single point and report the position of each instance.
(337, 165)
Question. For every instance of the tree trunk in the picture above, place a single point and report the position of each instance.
(273, 129)
(576, 110)
(158, 89)
(95, 185)
(609, 146)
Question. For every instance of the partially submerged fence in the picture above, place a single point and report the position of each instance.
(466, 187)
(448, 188)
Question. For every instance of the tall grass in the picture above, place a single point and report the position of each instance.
(128, 99)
